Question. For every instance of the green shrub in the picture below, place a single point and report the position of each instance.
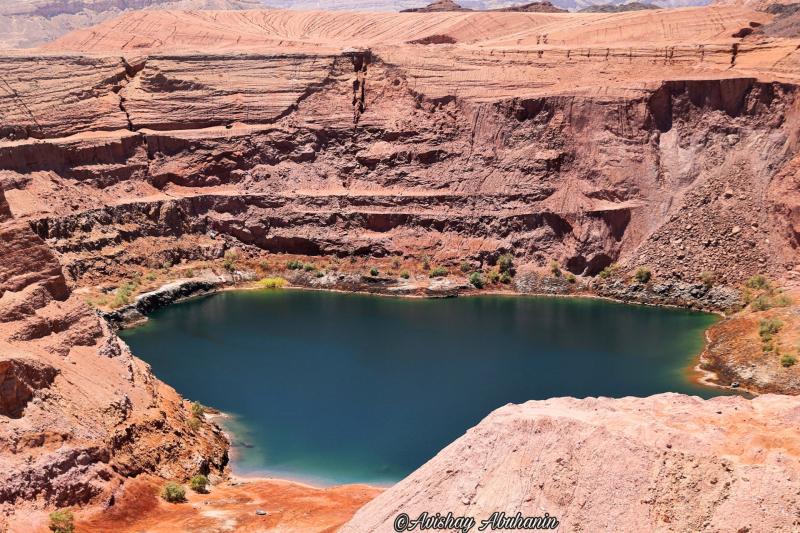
(643, 275)
(197, 409)
(151, 276)
(505, 277)
(62, 521)
(373, 272)
(609, 271)
(309, 267)
(788, 360)
(493, 276)
(199, 483)
(123, 294)
(769, 327)
(439, 272)
(294, 264)
(708, 279)
(758, 282)
(173, 493)
(571, 278)
(506, 263)
(272, 283)
(319, 274)
(555, 269)
(404, 274)
(781, 300)
(465, 267)
(426, 262)
(229, 261)
(761, 303)
(476, 280)
(194, 423)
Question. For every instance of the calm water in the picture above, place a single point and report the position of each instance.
(352, 388)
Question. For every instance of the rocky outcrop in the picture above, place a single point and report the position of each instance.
(664, 463)
(78, 413)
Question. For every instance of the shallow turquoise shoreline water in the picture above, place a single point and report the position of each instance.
(335, 388)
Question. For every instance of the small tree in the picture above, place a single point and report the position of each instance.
(643, 275)
(199, 483)
(476, 280)
(62, 521)
(173, 493)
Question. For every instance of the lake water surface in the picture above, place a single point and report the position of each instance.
(335, 388)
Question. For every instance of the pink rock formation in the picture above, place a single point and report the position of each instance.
(664, 463)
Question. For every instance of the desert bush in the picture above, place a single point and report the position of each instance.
(642, 275)
(465, 267)
(708, 279)
(426, 262)
(781, 300)
(404, 274)
(493, 276)
(198, 409)
(199, 483)
(757, 282)
(123, 294)
(476, 280)
(229, 261)
(294, 264)
(571, 278)
(173, 493)
(439, 272)
(395, 264)
(761, 303)
(609, 271)
(272, 283)
(788, 360)
(506, 263)
(555, 269)
(373, 272)
(309, 267)
(769, 327)
(505, 277)
(194, 423)
(62, 521)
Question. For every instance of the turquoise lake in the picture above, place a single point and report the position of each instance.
(337, 388)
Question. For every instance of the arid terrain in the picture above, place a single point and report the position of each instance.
(161, 145)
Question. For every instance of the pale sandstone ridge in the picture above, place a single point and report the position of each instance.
(28, 23)
(664, 463)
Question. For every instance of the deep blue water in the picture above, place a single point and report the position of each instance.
(336, 388)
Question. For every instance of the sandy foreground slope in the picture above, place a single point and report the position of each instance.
(653, 138)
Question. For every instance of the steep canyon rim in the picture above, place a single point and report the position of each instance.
(656, 139)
